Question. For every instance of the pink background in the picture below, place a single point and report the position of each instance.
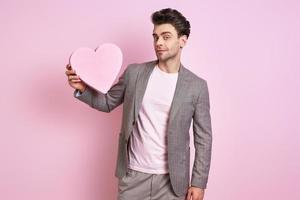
(55, 147)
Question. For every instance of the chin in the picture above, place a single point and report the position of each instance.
(164, 59)
(161, 59)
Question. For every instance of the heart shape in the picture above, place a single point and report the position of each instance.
(97, 68)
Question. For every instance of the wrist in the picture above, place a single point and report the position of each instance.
(197, 187)
(82, 89)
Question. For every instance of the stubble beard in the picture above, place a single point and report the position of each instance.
(166, 58)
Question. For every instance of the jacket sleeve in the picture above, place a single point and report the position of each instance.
(108, 101)
(202, 132)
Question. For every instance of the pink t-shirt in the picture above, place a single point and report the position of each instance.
(148, 142)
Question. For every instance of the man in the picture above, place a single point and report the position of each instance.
(160, 99)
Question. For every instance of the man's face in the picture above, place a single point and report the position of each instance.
(166, 42)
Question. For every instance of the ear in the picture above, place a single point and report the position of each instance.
(183, 40)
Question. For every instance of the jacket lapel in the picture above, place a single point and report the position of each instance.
(180, 93)
(141, 86)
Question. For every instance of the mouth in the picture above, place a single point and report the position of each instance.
(159, 51)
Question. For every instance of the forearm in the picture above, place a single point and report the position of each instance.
(105, 102)
(202, 162)
(93, 98)
(202, 140)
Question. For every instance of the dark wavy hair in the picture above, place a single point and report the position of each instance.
(173, 17)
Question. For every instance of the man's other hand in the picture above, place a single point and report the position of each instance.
(195, 193)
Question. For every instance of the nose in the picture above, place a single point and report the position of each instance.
(159, 42)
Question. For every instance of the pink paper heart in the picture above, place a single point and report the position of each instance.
(97, 68)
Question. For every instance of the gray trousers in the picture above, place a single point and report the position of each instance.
(136, 185)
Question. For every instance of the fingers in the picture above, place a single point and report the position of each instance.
(70, 71)
(189, 195)
(74, 79)
(68, 66)
(71, 74)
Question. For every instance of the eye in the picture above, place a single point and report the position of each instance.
(166, 37)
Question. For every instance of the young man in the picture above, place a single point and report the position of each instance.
(160, 99)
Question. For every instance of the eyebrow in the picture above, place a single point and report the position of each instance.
(154, 34)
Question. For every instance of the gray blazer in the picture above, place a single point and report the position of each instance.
(190, 102)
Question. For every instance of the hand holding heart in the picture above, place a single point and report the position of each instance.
(74, 80)
(97, 68)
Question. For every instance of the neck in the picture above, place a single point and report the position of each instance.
(170, 65)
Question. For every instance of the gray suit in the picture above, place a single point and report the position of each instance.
(191, 101)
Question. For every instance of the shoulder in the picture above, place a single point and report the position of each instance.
(195, 79)
(138, 66)
(198, 85)
(134, 68)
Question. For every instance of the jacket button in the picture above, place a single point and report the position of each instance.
(133, 123)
